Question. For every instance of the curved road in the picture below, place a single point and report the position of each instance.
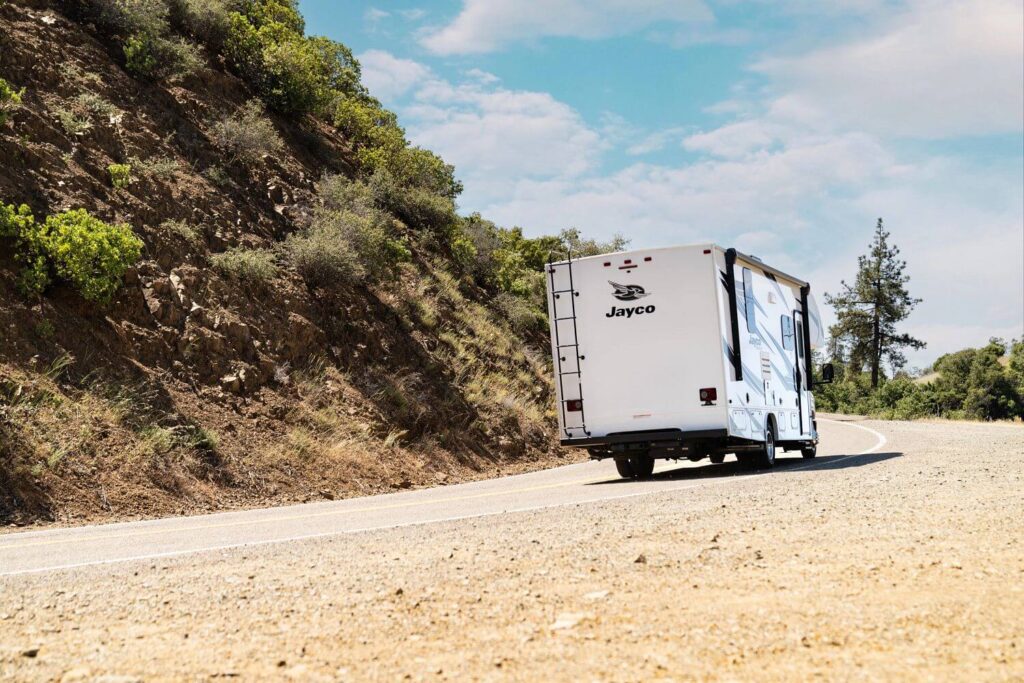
(897, 554)
(41, 551)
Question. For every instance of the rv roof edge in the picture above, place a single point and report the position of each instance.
(751, 260)
(758, 263)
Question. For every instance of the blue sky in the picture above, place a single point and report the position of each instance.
(781, 127)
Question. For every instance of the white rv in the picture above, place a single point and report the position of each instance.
(682, 352)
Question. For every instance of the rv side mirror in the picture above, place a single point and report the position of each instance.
(828, 373)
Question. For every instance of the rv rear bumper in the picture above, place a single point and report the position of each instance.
(663, 438)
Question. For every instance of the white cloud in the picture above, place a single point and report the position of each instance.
(656, 141)
(374, 15)
(414, 14)
(938, 69)
(482, 76)
(388, 76)
(486, 25)
(493, 134)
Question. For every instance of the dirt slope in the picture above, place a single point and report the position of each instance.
(193, 391)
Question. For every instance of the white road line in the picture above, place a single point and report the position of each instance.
(881, 441)
(878, 435)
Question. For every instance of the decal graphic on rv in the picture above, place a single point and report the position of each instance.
(627, 292)
(628, 312)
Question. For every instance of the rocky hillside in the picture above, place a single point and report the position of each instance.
(293, 328)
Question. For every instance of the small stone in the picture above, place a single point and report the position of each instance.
(640, 559)
(30, 652)
(566, 621)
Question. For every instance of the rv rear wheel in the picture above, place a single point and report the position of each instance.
(717, 458)
(809, 451)
(624, 467)
(639, 466)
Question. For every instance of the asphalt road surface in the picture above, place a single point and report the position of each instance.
(570, 485)
(896, 553)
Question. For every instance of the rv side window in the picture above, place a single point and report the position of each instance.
(748, 301)
(787, 332)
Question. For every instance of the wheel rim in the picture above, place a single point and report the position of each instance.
(769, 445)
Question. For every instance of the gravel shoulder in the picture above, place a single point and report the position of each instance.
(906, 563)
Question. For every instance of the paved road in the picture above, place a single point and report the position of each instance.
(41, 551)
(895, 557)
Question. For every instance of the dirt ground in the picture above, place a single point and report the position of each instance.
(906, 564)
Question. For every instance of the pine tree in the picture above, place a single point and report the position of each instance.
(869, 310)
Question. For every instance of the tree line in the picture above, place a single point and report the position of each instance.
(984, 383)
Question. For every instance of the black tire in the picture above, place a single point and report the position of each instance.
(809, 451)
(624, 466)
(765, 457)
(643, 466)
(717, 458)
(639, 466)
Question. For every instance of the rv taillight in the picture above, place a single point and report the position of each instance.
(575, 406)
(708, 395)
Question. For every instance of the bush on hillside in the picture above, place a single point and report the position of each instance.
(120, 175)
(520, 315)
(418, 208)
(126, 17)
(10, 99)
(292, 73)
(207, 21)
(92, 256)
(156, 57)
(247, 134)
(252, 266)
(349, 238)
(323, 257)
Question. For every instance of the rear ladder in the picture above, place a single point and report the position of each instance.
(567, 348)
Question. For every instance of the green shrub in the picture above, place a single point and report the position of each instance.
(207, 21)
(292, 73)
(15, 220)
(349, 238)
(254, 266)
(91, 255)
(155, 57)
(217, 175)
(130, 16)
(416, 207)
(520, 314)
(156, 167)
(71, 123)
(95, 104)
(120, 175)
(10, 99)
(323, 258)
(140, 56)
(247, 134)
(184, 230)
(84, 251)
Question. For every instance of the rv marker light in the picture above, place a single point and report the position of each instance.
(708, 395)
(574, 406)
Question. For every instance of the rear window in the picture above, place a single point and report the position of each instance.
(748, 301)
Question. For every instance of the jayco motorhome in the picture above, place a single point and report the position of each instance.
(682, 352)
